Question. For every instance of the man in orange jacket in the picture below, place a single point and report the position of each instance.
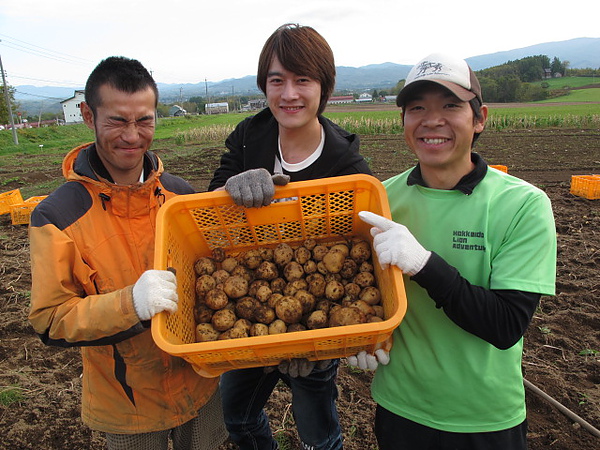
(92, 250)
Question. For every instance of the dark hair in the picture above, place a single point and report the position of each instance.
(303, 51)
(121, 73)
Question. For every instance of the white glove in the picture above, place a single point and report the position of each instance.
(395, 245)
(155, 291)
(254, 187)
(301, 367)
(366, 361)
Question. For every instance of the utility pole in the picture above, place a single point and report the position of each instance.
(8, 105)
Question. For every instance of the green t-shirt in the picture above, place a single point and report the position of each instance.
(502, 236)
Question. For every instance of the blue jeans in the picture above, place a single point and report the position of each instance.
(245, 392)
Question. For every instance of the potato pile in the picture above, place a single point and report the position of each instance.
(283, 289)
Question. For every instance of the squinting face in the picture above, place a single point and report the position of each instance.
(293, 99)
(124, 128)
(439, 129)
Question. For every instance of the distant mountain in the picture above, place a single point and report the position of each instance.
(580, 52)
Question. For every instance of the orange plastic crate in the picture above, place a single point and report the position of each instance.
(190, 226)
(587, 186)
(21, 212)
(500, 167)
(9, 198)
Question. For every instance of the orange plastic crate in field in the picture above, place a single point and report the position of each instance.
(500, 167)
(9, 198)
(587, 186)
(21, 212)
(191, 226)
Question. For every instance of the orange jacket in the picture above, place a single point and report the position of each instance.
(90, 242)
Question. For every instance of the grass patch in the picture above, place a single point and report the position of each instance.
(10, 395)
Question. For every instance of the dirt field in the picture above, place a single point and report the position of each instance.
(561, 344)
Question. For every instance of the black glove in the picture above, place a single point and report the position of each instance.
(254, 187)
(301, 367)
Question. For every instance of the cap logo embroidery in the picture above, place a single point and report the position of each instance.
(428, 67)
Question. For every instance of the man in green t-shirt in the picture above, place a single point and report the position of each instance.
(478, 249)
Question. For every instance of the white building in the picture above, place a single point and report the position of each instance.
(72, 109)
(216, 108)
(364, 97)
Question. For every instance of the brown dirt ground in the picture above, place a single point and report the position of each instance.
(560, 346)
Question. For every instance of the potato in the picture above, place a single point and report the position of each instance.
(352, 290)
(218, 254)
(333, 260)
(324, 305)
(243, 324)
(205, 266)
(293, 271)
(360, 251)
(379, 312)
(334, 290)
(342, 248)
(372, 319)
(266, 253)
(307, 300)
(319, 251)
(282, 254)
(220, 275)
(244, 272)
(364, 279)
(278, 285)
(252, 259)
(267, 270)
(289, 309)
(223, 319)
(233, 333)
(245, 307)
(253, 287)
(277, 326)
(235, 286)
(229, 264)
(309, 244)
(259, 329)
(202, 313)
(293, 286)
(346, 315)
(370, 295)
(274, 298)
(302, 255)
(216, 299)
(316, 319)
(316, 284)
(263, 294)
(295, 327)
(365, 267)
(310, 267)
(205, 332)
(204, 283)
(264, 314)
(349, 268)
(364, 307)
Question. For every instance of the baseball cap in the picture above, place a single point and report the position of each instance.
(452, 73)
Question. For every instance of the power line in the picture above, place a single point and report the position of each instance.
(36, 95)
(22, 46)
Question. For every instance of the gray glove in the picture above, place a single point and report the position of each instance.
(301, 367)
(254, 187)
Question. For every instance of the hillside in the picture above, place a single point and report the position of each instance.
(580, 52)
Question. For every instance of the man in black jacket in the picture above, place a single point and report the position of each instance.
(289, 140)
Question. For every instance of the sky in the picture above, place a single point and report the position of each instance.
(59, 42)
